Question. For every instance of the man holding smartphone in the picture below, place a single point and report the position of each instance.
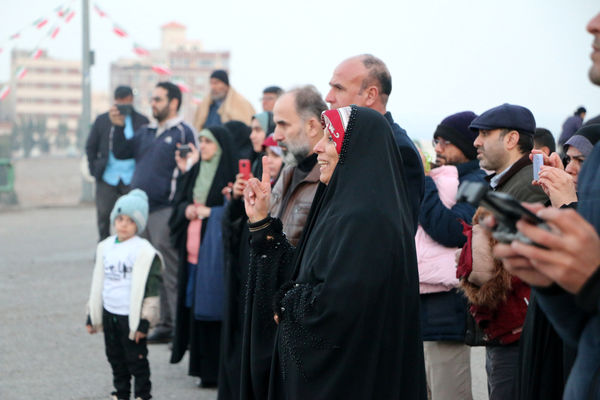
(113, 176)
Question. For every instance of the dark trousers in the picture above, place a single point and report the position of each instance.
(501, 365)
(126, 357)
(106, 196)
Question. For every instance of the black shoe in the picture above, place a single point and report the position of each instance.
(160, 335)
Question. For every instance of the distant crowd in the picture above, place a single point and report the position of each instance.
(310, 251)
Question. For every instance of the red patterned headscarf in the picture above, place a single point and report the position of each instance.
(335, 122)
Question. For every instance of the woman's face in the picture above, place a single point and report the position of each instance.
(327, 156)
(274, 163)
(574, 165)
(257, 137)
(208, 148)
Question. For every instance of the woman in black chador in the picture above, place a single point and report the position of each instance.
(348, 321)
(196, 232)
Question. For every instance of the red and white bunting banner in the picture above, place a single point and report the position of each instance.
(161, 69)
(197, 100)
(21, 72)
(119, 31)
(1, 50)
(54, 32)
(39, 23)
(36, 54)
(101, 13)
(4, 92)
(15, 36)
(60, 11)
(182, 86)
(69, 17)
(140, 51)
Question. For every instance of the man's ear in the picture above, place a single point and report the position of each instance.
(511, 139)
(372, 95)
(314, 128)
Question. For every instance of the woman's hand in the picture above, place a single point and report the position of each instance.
(558, 186)
(192, 157)
(202, 211)
(239, 186)
(257, 195)
(190, 212)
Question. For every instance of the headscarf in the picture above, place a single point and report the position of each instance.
(240, 135)
(356, 277)
(585, 139)
(265, 119)
(208, 169)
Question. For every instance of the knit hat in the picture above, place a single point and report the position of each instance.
(455, 129)
(135, 205)
(585, 139)
(508, 116)
(221, 75)
(271, 143)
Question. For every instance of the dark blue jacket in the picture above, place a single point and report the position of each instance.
(155, 168)
(577, 318)
(413, 168)
(444, 314)
(441, 223)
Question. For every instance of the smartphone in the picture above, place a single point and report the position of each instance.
(125, 109)
(538, 161)
(244, 168)
(184, 149)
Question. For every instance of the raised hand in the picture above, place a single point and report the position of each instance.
(257, 195)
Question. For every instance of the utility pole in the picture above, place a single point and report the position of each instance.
(86, 93)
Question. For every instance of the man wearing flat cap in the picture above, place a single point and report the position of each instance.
(223, 105)
(498, 300)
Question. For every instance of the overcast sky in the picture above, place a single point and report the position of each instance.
(444, 56)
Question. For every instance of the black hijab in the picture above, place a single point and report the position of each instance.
(350, 323)
(240, 138)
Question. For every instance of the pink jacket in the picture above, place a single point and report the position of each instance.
(437, 266)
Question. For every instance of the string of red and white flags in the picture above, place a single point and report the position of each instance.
(139, 50)
(63, 14)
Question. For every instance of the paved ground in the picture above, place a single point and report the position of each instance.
(46, 252)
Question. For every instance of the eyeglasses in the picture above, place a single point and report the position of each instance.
(441, 141)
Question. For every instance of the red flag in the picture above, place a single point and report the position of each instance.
(101, 13)
(21, 72)
(15, 36)
(69, 17)
(4, 92)
(182, 86)
(140, 51)
(40, 23)
(161, 69)
(120, 32)
(36, 54)
(54, 32)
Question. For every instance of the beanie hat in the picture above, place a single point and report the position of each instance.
(221, 75)
(455, 129)
(585, 139)
(135, 205)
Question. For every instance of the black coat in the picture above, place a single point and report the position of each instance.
(350, 318)
(237, 261)
(98, 141)
(178, 224)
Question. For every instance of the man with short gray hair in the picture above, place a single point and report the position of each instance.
(297, 116)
